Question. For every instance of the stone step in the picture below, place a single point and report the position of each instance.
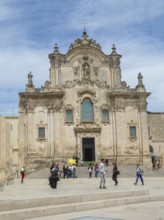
(29, 213)
(11, 204)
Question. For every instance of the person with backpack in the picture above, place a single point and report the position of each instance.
(139, 175)
(116, 172)
(54, 178)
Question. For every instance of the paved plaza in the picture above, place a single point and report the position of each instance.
(35, 186)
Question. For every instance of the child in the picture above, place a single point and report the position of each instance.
(90, 169)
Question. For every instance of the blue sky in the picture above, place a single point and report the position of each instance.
(30, 28)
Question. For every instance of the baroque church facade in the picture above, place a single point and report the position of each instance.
(83, 110)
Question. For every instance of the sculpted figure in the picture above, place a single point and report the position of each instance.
(140, 77)
(86, 70)
(30, 83)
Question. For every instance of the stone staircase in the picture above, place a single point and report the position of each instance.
(39, 207)
(35, 198)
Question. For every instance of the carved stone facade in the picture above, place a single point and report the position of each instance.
(84, 110)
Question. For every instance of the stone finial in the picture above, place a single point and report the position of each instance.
(56, 48)
(114, 49)
(140, 87)
(30, 82)
(84, 40)
(140, 77)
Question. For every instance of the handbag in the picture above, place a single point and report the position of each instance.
(118, 172)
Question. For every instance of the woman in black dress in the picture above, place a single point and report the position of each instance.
(54, 178)
(115, 173)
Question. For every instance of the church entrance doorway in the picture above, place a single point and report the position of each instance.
(88, 148)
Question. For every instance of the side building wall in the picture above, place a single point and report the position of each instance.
(156, 133)
(6, 171)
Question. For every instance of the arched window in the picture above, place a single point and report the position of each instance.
(87, 111)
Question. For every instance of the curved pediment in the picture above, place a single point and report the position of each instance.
(85, 47)
(84, 41)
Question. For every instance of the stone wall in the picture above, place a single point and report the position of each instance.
(6, 172)
(156, 133)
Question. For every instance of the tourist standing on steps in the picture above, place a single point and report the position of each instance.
(90, 170)
(22, 172)
(96, 170)
(115, 173)
(139, 173)
(102, 173)
(54, 178)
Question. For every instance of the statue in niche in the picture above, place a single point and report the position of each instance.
(30, 82)
(86, 70)
(140, 77)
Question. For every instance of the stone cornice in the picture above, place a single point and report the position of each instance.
(131, 95)
(58, 94)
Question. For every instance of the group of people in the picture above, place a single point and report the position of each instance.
(100, 170)
(69, 171)
(56, 173)
(102, 173)
(96, 169)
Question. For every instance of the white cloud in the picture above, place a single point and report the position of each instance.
(15, 65)
(30, 28)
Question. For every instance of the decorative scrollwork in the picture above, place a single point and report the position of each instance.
(86, 82)
(102, 85)
(70, 84)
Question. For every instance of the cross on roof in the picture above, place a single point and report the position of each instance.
(84, 23)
